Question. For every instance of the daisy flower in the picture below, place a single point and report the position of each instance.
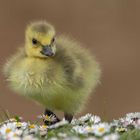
(95, 119)
(43, 127)
(121, 129)
(58, 124)
(43, 130)
(32, 128)
(89, 129)
(29, 137)
(22, 125)
(101, 128)
(80, 129)
(89, 118)
(135, 115)
(50, 118)
(113, 136)
(7, 128)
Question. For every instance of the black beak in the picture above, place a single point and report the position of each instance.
(47, 51)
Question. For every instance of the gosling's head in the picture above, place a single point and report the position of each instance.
(40, 40)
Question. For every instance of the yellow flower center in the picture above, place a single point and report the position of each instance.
(15, 135)
(89, 129)
(8, 130)
(120, 129)
(18, 124)
(101, 129)
(32, 126)
(47, 118)
(44, 126)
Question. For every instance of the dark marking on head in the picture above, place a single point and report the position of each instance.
(42, 27)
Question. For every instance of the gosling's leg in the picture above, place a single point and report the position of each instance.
(50, 113)
(68, 117)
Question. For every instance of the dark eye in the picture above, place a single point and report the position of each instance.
(34, 41)
(53, 40)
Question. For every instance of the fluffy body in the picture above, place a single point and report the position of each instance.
(62, 82)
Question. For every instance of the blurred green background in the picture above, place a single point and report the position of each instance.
(109, 28)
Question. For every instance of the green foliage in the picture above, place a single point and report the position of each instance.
(131, 135)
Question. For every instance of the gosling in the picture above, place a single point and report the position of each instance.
(54, 71)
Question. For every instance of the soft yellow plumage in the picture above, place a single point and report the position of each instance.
(59, 74)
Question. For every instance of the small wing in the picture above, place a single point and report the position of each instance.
(12, 60)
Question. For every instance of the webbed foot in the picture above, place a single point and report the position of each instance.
(68, 117)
